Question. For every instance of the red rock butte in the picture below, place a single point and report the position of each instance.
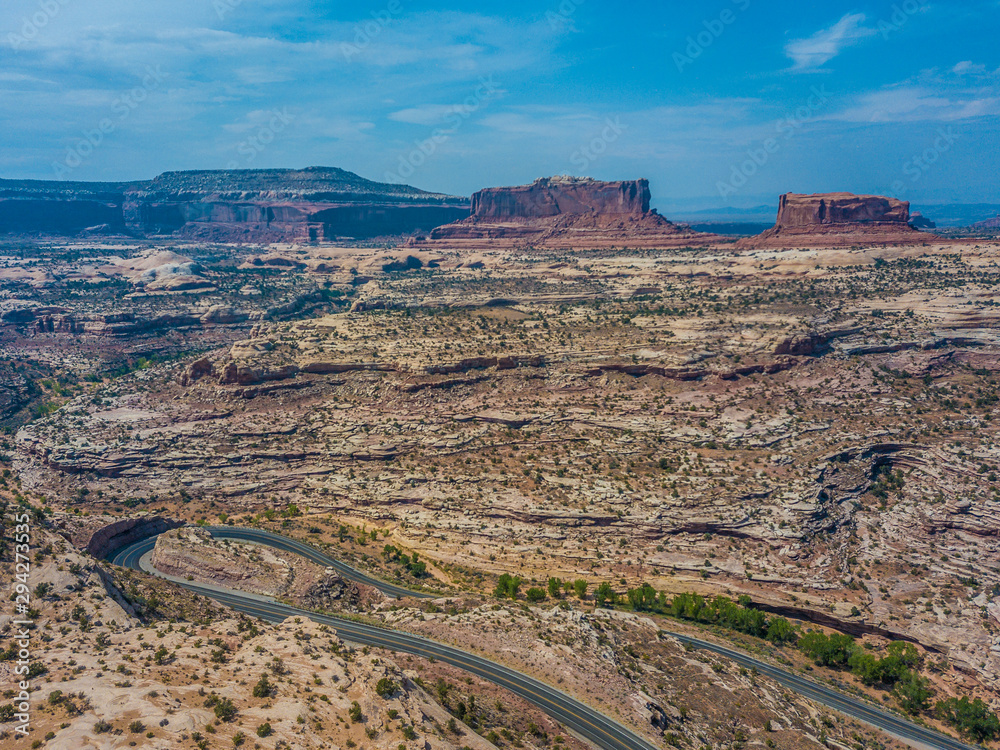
(571, 212)
(838, 220)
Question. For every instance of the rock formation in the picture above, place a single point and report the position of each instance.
(837, 219)
(564, 211)
(193, 554)
(556, 196)
(260, 205)
(987, 224)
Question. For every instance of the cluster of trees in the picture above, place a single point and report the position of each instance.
(723, 611)
(508, 587)
(972, 718)
(719, 610)
(416, 567)
(897, 670)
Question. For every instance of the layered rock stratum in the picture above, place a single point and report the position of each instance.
(838, 219)
(816, 429)
(259, 205)
(567, 211)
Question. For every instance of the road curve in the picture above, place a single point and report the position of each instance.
(585, 721)
(582, 719)
(136, 550)
(896, 725)
(309, 552)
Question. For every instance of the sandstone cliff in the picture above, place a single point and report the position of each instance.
(837, 219)
(556, 196)
(568, 211)
(261, 205)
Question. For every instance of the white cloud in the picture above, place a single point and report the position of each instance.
(920, 104)
(813, 52)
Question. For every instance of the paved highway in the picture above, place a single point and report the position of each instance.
(134, 553)
(311, 553)
(891, 723)
(584, 720)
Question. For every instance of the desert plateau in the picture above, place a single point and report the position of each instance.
(632, 382)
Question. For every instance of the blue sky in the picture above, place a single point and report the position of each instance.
(720, 103)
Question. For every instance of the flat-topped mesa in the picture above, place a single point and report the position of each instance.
(837, 219)
(255, 205)
(559, 196)
(840, 208)
(563, 212)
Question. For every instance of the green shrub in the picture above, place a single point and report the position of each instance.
(386, 687)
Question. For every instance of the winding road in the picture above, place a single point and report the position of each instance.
(129, 556)
(585, 721)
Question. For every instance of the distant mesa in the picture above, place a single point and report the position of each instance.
(569, 211)
(838, 220)
(250, 205)
(919, 221)
(987, 224)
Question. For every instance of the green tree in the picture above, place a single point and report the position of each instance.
(906, 652)
(605, 595)
(972, 718)
(780, 630)
(642, 599)
(580, 588)
(555, 588)
(263, 688)
(865, 666)
(507, 587)
(913, 692)
(827, 651)
(225, 710)
(386, 687)
(535, 594)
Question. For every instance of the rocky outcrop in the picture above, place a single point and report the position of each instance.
(51, 207)
(577, 211)
(840, 208)
(260, 205)
(557, 196)
(837, 219)
(107, 539)
(192, 553)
